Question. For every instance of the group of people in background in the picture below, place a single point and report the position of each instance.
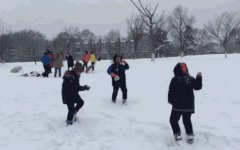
(89, 56)
(51, 60)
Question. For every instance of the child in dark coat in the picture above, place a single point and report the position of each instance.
(181, 97)
(70, 89)
(70, 61)
(117, 72)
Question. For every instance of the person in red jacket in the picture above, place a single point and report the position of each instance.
(85, 59)
(51, 56)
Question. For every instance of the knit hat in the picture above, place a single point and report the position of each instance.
(78, 67)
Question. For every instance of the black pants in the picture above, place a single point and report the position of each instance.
(70, 67)
(57, 70)
(46, 70)
(186, 116)
(73, 109)
(115, 91)
(93, 66)
(85, 65)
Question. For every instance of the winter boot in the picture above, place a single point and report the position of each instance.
(124, 101)
(190, 138)
(177, 137)
(69, 122)
(75, 118)
(114, 100)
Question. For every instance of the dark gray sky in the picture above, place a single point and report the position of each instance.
(51, 16)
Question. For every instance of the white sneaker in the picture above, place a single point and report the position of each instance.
(190, 138)
(124, 101)
(75, 118)
(177, 136)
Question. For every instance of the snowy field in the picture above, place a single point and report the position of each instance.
(33, 117)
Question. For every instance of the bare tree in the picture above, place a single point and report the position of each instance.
(135, 30)
(180, 22)
(29, 44)
(67, 39)
(202, 40)
(113, 35)
(87, 36)
(4, 40)
(221, 28)
(150, 18)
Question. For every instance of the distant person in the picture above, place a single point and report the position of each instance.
(93, 60)
(58, 64)
(46, 64)
(70, 61)
(117, 72)
(85, 59)
(51, 56)
(181, 97)
(99, 58)
(70, 89)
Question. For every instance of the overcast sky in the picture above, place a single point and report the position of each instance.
(51, 16)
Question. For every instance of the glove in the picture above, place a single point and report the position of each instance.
(113, 75)
(199, 75)
(86, 87)
(116, 78)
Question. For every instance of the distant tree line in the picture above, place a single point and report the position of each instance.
(166, 32)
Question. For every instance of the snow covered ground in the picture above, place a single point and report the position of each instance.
(32, 115)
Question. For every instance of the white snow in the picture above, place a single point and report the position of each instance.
(32, 115)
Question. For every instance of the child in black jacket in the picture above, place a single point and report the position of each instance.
(70, 89)
(117, 72)
(181, 97)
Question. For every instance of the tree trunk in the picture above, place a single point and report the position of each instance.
(225, 54)
(182, 54)
(225, 50)
(135, 49)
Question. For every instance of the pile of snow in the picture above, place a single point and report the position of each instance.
(33, 117)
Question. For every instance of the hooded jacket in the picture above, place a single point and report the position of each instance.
(71, 85)
(180, 94)
(45, 59)
(119, 70)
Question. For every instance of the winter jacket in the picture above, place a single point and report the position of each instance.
(58, 61)
(46, 60)
(181, 95)
(93, 58)
(70, 61)
(51, 56)
(86, 58)
(71, 87)
(119, 70)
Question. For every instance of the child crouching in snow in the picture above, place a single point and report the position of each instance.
(181, 97)
(70, 89)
